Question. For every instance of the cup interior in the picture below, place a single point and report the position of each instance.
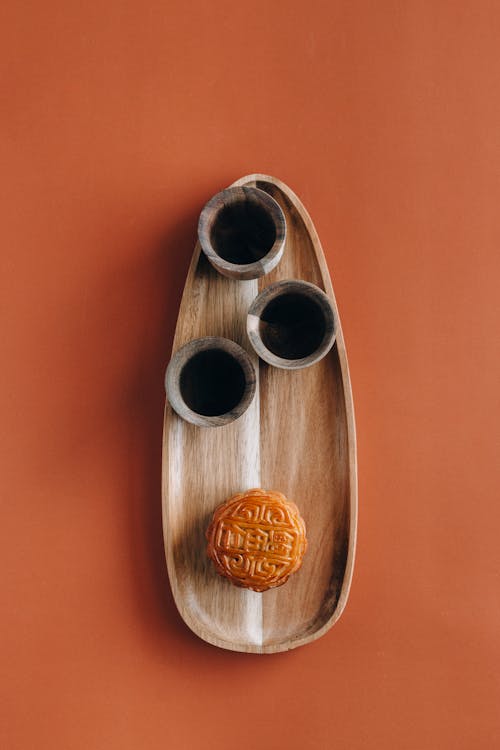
(292, 326)
(212, 382)
(242, 232)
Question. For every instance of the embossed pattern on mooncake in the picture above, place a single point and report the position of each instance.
(257, 539)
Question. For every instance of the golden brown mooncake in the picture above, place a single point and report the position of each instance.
(257, 539)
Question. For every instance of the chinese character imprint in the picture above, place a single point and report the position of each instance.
(257, 539)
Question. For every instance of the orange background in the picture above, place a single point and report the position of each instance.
(120, 119)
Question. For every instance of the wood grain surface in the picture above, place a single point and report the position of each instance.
(297, 437)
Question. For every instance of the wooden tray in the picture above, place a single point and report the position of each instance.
(297, 437)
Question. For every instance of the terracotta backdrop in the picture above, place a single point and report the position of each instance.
(119, 120)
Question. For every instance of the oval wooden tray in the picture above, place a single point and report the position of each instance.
(297, 437)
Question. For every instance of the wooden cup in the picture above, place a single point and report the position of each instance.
(210, 382)
(242, 232)
(291, 324)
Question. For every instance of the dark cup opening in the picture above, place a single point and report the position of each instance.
(292, 326)
(243, 232)
(212, 382)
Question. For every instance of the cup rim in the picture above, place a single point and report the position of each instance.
(228, 197)
(182, 357)
(279, 288)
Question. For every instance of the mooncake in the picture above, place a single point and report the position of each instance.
(257, 539)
